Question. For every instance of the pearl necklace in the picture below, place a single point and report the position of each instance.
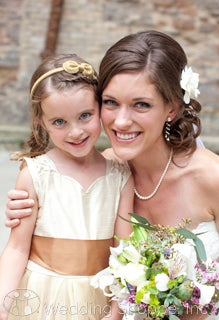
(159, 183)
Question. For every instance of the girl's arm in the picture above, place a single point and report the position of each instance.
(18, 206)
(15, 256)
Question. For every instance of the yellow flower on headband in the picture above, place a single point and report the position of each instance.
(71, 66)
(86, 69)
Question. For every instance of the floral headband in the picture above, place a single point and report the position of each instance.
(189, 82)
(70, 67)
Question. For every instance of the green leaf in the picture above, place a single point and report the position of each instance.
(200, 249)
(117, 238)
(162, 295)
(173, 317)
(140, 218)
(148, 227)
(148, 273)
(122, 259)
(186, 233)
(145, 223)
(199, 246)
(139, 232)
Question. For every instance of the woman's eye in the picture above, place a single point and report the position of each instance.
(85, 115)
(59, 122)
(142, 105)
(109, 102)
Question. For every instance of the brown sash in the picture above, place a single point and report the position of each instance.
(71, 256)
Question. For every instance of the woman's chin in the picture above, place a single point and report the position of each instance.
(124, 154)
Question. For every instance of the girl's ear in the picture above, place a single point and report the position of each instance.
(38, 121)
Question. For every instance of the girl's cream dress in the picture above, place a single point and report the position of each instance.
(70, 244)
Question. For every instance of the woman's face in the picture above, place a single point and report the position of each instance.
(133, 115)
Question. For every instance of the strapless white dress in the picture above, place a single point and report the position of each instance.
(210, 239)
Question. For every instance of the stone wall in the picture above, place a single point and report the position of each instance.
(89, 27)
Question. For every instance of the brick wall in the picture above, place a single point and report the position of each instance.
(89, 27)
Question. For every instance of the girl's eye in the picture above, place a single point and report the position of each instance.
(142, 105)
(109, 102)
(84, 115)
(59, 122)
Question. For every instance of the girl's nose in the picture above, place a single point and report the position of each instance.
(75, 132)
(123, 119)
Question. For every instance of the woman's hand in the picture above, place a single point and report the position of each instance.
(18, 207)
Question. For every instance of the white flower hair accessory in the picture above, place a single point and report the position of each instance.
(189, 82)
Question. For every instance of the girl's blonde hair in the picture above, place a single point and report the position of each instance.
(38, 141)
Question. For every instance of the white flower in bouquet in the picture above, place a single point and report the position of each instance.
(161, 280)
(186, 253)
(206, 293)
(134, 273)
(103, 280)
(131, 254)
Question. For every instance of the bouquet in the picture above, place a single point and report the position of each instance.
(160, 272)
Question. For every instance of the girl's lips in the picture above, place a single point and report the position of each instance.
(126, 137)
(79, 144)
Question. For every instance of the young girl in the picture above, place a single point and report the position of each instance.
(77, 195)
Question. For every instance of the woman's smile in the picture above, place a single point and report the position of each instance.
(126, 137)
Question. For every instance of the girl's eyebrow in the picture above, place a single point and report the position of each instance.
(54, 118)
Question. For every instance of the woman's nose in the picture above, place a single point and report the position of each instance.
(123, 119)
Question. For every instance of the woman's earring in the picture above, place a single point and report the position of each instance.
(167, 129)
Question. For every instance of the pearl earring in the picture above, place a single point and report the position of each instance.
(167, 129)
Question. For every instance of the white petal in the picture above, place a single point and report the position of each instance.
(207, 293)
(188, 253)
(102, 279)
(131, 254)
(134, 273)
(161, 281)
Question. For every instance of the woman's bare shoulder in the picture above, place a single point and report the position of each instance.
(206, 156)
(206, 165)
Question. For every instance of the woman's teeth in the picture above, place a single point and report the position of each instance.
(126, 136)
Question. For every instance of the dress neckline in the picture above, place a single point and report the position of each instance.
(52, 163)
(203, 224)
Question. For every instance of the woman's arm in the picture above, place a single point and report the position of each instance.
(15, 256)
(123, 228)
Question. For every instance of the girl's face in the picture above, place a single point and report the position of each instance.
(133, 115)
(71, 118)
